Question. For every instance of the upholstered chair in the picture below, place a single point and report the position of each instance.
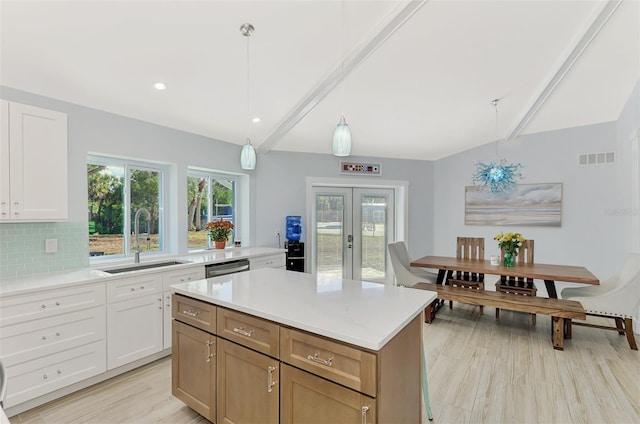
(617, 298)
(406, 275)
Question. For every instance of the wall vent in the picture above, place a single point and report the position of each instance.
(597, 158)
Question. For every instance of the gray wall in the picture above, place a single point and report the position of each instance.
(590, 234)
(281, 191)
(277, 186)
(593, 232)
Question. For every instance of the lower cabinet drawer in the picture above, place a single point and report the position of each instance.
(34, 339)
(332, 360)
(273, 261)
(306, 398)
(252, 332)
(31, 379)
(46, 303)
(200, 314)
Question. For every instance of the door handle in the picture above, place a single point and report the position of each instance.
(349, 241)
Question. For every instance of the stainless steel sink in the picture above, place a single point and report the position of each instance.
(138, 267)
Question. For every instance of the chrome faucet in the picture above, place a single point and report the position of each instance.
(136, 236)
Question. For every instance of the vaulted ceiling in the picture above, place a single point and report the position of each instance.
(418, 75)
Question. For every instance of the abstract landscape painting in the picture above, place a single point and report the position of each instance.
(528, 204)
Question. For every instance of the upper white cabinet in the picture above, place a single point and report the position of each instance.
(33, 164)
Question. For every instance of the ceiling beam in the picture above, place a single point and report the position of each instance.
(590, 34)
(358, 55)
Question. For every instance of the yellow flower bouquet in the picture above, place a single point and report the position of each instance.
(510, 242)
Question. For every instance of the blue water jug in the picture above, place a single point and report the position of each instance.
(294, 227)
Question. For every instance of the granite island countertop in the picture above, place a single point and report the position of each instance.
(361, 313)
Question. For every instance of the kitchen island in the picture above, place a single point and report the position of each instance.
(281, 346)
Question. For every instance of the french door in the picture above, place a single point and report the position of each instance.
(351, 229)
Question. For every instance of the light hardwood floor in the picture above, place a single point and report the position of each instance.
(480, 371)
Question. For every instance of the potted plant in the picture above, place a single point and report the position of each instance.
(219, 232)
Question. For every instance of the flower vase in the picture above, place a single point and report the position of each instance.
(220, 244)
(509, 259)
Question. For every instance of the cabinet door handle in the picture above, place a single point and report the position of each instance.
(209, 354)
(316, 358)
(270, 381)
(243, 332)
(365, 409)
(191, 313)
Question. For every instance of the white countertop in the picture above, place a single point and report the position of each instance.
(53, 280)
(361, 313)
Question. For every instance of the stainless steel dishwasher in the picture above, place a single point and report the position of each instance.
(224, 268)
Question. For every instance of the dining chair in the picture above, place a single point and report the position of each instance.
(467, 248)
(3, 384)
(519, 286)
(406, 275)
(617, 298)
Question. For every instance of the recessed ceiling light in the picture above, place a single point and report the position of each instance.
(159, 86)
(256, 119)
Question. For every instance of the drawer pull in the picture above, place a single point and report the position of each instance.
(59, 372)
(57, 303)
(43, 306)
(44, 337)
(365, 409)
(270, 381)
(209, 354)
(316, 358)
(58, 333)
(44, 377)
(133, 289)
(243, 332)
(191, 313)
(141, 287)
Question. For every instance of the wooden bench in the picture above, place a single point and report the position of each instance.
(561, 311)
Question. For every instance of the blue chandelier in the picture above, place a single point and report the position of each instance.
(496, 177)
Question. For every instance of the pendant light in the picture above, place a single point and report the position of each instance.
(496, 177)
(342, 133)
(248, 154)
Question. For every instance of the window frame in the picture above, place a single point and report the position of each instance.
(235, 202)
(129, 165)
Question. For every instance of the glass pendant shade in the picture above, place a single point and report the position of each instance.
(342, 139)
(248, 156)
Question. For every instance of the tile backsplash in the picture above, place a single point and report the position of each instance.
(22, 248)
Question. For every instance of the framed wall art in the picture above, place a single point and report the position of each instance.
(527, 204)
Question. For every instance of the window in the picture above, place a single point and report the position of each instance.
(210, 196)
(117, 189)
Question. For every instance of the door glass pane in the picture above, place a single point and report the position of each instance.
(374, 240)
(329, 234)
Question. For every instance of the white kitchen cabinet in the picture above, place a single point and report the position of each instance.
(175, 277)
(33, 164)
(50, 339)
(134, 329)
(134, 318)
(277, 260)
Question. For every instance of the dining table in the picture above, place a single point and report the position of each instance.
(549, 273)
